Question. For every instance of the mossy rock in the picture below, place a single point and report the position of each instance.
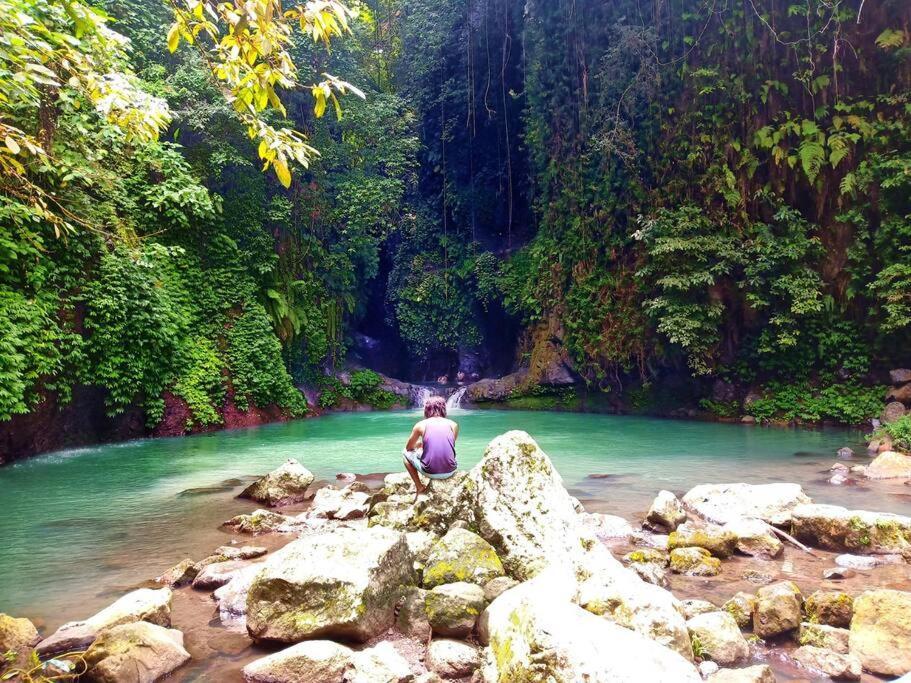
(461, 556)
(694, 562)
(741, 607)
(717, 541)
(832, 608)
(647, 556)
(820, 635)
(453, 608)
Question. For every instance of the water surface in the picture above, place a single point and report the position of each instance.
(79, 527)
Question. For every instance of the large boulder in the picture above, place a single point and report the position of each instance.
(892, 412)
(145, 604)
(314, 661)
(759, 673)
(881, 631)
(606, 527)
(341, 504)
(832, 664)
(381, 663)
(218, 574)
(537, 635)
(18, 636)
(283, 486)
(232, 597)
(722, 503)
(837, 528)
(454, 608)
(452, 658)
(139, 652)
(778, 609)
(342, 584)
(889, 465)
(828, 637)
(754, 537)
(258, 522)
(180, 574)
(433, 512)
(666, 511)
(694, 562)
(719, 541)
(718, 638)
(461, 556)
(900, 376)
(515, 498)
(411, 618)
(832, 608)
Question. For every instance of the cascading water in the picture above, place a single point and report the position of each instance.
(418, 394)
(454, 402)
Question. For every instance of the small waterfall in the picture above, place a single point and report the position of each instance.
(454, 402)
(418, 394)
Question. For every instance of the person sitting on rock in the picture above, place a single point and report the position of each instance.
(431, 447)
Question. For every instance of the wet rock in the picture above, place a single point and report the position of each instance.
(832, 664)
(845, 452)
(461, 556)
(344, 504)
(757, 577)
(648, 556)
(499, 389)
(411, 619)
(900, 376)
(881, 631)
(218, 574)
(892, 412)
(343, 584)
(651, 573)
(889, 465)
(820, 635)
(139, 652)
(454, 608)
(381, 663)
(838, 479)
(666, 511)
(452, 658)
(748, 420)
(741, 607)
(832, 608)
(760, 673)
(861, 562)
(837, 528)
(145, 604)
(232, 597)
(695, 607)
(859, 469)
(719, 541)
(283, 486)
(258, 522)
(515, 498)
(537, 635)
(180, 574)
(754, 537)
(694, 562)
(707, 668)
(434, 512)
(721, 503)
(778, 609)
(18, 636)
(645, 539)
(606, 527)
(837, 573)
(314, 661)
(496, 587)
(839, 467)
(719, 637)
(901, 394)
(244, 552)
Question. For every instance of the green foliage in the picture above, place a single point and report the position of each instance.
(721, 408)
(847, 403)
(363, 387)
(899, 432)
(200, 382)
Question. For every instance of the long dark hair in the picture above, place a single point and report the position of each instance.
(435, 406)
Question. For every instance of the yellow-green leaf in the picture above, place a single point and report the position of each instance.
(12, 145)
(281, 170)
(173, 38)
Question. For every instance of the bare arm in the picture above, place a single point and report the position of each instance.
(455, 430)
(417, 435)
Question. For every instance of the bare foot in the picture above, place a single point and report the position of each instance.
(418, 493)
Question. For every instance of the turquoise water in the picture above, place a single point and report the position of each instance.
(81, 526)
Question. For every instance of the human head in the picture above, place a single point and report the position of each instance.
(435, 406)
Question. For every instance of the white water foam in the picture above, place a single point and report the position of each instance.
(454, 402)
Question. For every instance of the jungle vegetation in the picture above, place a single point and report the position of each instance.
(208, 201)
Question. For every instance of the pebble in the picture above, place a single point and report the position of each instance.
(867, 561)
(838, 479)
(757, 577)
(838, 573)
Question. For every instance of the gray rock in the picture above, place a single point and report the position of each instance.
(845, 452)
(837, 528)
(180, 574)
(259, 522)
(314, 661)
(651, 573)
(695, 607)
(778, 609)
(232, 597)
(832, 664)
(461, 556)
(452, 658)
(833, 608)
(694, 562)
(760, 673)
(741, 607)
(496, 587)
(243, 552)
(837, 573)
(381, 663)
(899, 376)
(719, 541)
(411, 619)
(138, 652)
(721, 503)
(881, 631)
(719, 637)
(754, 537)
(666, 511)
(18, 636)
(606, 527)
(892, 412)
(347, 503)
(218, 574)
(828, 637)
(454, 608)
(283, 486)
(707, 668)
(889, 465)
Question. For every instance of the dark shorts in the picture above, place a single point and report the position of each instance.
(414, 458)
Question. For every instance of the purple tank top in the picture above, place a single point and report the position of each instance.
(439, 447)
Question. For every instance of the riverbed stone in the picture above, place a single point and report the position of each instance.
(381, 663)
(314, 661)
(461, 556)
(453, 608)
(833, 664)
(342, 583)
(420, 543)
(18, 636)
(258, 522)
(138, 652)
(694, 607)
(452, 658)
(832, 608)
(241, 552)
(144, 604)
(758, 673)
(694, 562)
(341, 504)
(411, 619)
(820, 635)
(778, 609)
(900, 375)
(719, 541)
(719, 637)
(651, 573)
(648, 556)
(232, 597)
(837, 528)
(606, 527)
(892, 412)
(881, 631)
(218, 574)
(180, 574)
(496, 587)
(889, 465)
(516, 500)
(282, 486)
(741, 607)
(754, 537)
(537, 635)
(666, 511)
(722, 503)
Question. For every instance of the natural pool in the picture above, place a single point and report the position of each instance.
(79, 527)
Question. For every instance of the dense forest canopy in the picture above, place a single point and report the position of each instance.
(667, 194)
